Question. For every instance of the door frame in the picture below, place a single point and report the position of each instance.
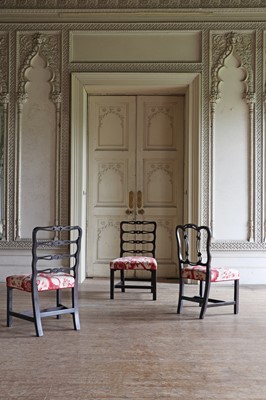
(84, 84)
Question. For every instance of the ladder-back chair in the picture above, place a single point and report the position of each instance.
(137, 252)
(194, 258)
(55, 263)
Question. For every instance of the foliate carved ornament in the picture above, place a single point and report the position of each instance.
(155, 110)
(105, 224)
(104, 167)
(46, 46)
(105, 111)
(240, 45)
(167, 168)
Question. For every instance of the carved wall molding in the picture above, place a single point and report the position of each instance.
(4, 95)
(4, 100)
(240, 45)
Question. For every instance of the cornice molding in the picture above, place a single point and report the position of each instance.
(131, 4)
(131, 10)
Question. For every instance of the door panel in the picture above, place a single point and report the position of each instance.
(160, 171)
(135, 171)
(111, 162)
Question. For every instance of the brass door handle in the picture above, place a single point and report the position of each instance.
(141, 211)
(131, 199)
(128, 211)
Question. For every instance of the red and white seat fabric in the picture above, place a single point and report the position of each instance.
(134, 263)
(45, 281)
(198, 273)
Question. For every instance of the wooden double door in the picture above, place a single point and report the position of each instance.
(135, 171)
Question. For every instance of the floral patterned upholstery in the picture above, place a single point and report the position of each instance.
(45, 281)
(198, 272)
(134, 263)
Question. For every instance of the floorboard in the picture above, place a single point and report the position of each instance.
(135, 348)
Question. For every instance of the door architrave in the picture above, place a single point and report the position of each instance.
(84, 84)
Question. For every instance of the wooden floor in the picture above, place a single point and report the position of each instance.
(135, 348)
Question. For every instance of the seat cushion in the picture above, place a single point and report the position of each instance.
(218, 274)
(49, 281)
(134, 262)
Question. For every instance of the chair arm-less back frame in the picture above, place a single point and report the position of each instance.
(56, 251)
(133, 243)
(192, 242)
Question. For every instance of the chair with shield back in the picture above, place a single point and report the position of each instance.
(137, 253)
(55, 263)
(195, 263)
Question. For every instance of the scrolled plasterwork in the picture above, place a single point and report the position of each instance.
(48, 47)
(167, 168)
(104, 224)
(111, 166)
(240, 45)
(232, 43)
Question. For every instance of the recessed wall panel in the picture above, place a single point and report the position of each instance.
(159, 46)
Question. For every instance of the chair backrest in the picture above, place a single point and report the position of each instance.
(138, 238)
(193, 245)
(56, 249)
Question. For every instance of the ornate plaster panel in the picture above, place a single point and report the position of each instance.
(241, 45)
(48, 46)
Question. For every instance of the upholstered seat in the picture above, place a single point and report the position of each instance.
(45, 281)
(198, 273)
(134, 263)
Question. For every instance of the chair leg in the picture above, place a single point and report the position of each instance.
(205, 300)
(58, 300)
(236, 296)
(9, 318)
(200, 288)
(112, 283)
(180, 299)
(75, 306)
(36, 313)
(154, 283)
(122, 276)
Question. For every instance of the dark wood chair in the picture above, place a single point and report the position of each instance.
(194, 258)
(137, 252)
(55, 262)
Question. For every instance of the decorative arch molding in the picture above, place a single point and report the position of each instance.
(239, 45)
(48, 46)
